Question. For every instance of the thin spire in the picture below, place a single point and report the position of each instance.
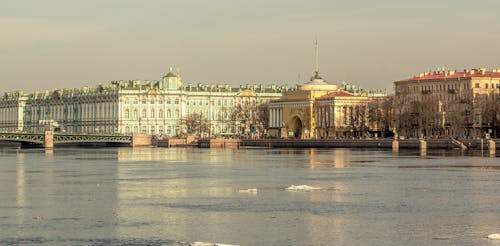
(317, 54)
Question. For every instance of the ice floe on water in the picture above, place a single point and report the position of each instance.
(210, 244)
(495, 236)
(302, 188)
(249, 191)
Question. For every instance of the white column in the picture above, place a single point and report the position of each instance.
(280, 114)
(271, 118)
(272, 113)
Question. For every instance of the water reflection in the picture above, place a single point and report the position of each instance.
(184, 194)
(20, 191)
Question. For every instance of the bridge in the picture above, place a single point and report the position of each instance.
(49, 138)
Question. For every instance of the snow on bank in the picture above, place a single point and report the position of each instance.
(495, 236)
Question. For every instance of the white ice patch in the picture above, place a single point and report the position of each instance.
(210, 244)
(250, 191)
(302, 188)
(495, 236)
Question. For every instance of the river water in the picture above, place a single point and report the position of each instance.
(159, 196)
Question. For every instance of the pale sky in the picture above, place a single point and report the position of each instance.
(68, 44)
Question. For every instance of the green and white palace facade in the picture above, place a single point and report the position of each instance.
(152, 107)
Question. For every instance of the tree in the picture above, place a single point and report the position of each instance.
(250, 118)
(489, 108)
(381, 114)
(196, 124)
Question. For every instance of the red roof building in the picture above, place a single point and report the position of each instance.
(447, 103)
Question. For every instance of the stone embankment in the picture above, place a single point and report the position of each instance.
(371, 143)
(485, 145)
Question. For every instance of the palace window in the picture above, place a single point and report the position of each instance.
(143, 115)
(152, 114)
(127, 113)
(160, 113)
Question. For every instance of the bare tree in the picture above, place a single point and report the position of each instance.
(489, 108)
(250, 118)
(381, 115)
(196, 124)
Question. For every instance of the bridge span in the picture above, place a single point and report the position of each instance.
(49, 138)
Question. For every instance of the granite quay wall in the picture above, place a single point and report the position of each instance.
(362, 143)
(139, 140)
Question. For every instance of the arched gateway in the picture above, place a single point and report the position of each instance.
(296, 127)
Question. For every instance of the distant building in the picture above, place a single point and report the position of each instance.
(448, 103)
(319, 110)
(12, 111)
(341, 114)
(293, 114)
(153, 107)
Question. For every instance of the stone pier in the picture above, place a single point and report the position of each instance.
(395, 145)
(48, 140)
(141, 140)
(423, 147)
(219, 143)
(492, 147)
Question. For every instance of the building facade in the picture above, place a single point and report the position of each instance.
(341, 114)
(448, 103)
(153, 107)
(11, 111)
(318, 110)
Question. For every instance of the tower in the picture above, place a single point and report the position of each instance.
(171, 81)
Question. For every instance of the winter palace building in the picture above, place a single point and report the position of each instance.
(153, 107)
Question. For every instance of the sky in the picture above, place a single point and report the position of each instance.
(69, 44)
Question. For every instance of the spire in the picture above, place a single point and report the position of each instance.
(316, 65)
(316, 68)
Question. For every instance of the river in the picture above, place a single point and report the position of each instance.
(176, 196)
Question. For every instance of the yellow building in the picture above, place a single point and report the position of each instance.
(341, 114)
(292, 115)
(317, 109)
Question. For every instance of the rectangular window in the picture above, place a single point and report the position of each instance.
(477, 85)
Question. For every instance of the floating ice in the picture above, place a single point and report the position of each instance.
(210, 244)
(495, 236)
(251, 191)
(302, 188)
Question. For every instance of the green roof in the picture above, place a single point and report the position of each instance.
(169, 75)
